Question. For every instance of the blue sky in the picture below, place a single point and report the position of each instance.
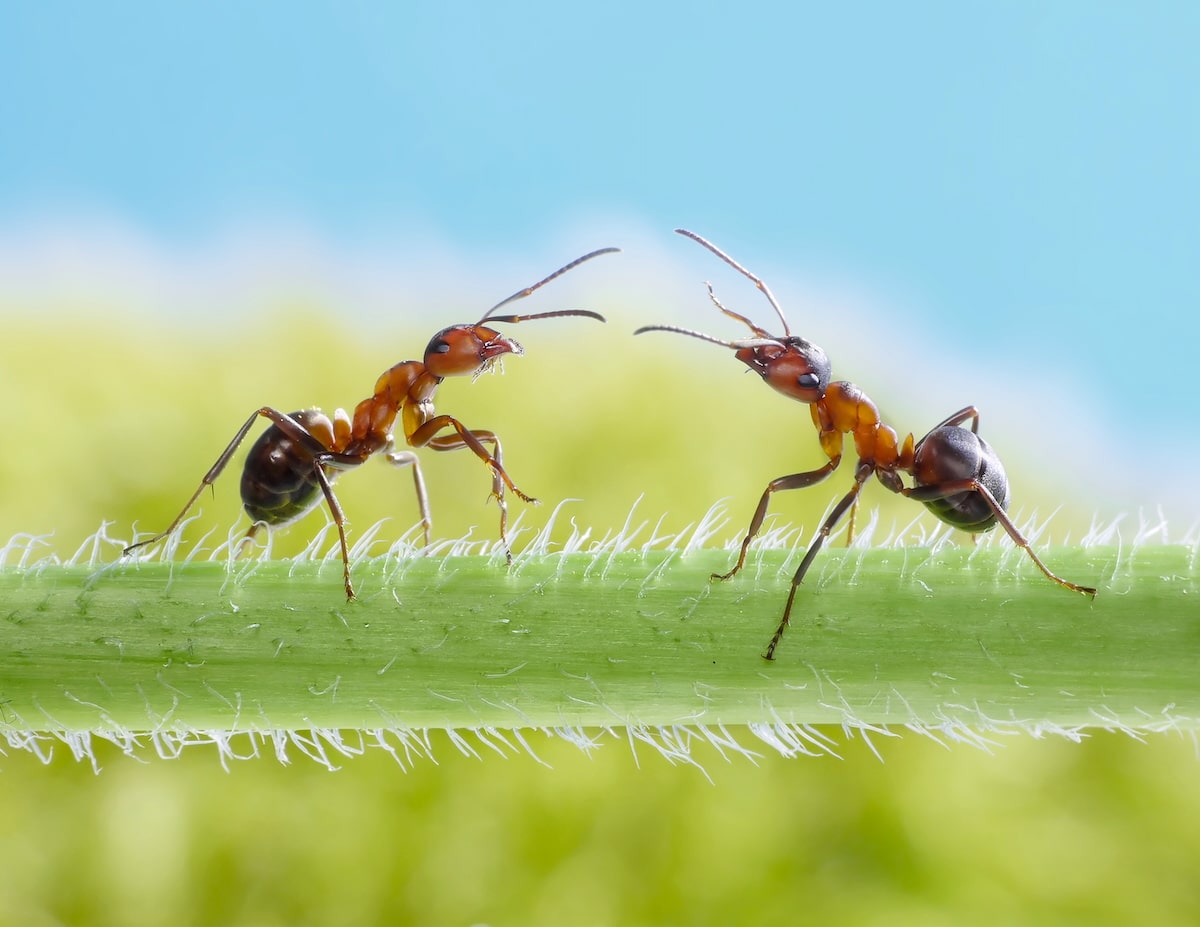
(1023, 178)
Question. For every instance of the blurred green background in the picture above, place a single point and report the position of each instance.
(119, 420)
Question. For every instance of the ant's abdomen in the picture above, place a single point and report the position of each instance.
(951, 454)
(278, 481)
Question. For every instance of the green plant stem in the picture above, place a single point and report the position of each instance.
(880, 636)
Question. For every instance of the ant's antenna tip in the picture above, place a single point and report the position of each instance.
(668, 328)
(521, 294)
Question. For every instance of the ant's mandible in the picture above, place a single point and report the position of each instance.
(295, 461)
(953, 471)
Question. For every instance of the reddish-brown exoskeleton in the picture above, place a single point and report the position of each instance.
(953, 471)
(295, 461)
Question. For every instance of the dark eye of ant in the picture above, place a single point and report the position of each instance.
(441, 347)
(808, 381)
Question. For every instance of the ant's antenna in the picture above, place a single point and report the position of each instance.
(736, 345)
(741, 270)
(521, 294)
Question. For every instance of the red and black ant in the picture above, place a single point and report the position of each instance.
(954, 472)
(295, 461)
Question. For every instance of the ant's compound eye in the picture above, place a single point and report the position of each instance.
(440, 347)
(808, 381)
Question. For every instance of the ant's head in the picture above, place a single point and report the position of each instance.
(462, 350)
(797, 368)
(790, 365)
(467, 350)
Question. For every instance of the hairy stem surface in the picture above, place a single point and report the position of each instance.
(881, 636)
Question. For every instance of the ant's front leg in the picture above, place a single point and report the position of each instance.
(795, 481)
(475, 440)
(861, 475)
(469, 438)
(500, 477)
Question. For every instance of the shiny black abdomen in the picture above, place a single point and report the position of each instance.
(278, 481)
(949, 454)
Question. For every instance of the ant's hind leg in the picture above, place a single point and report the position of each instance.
(954, 487)
(969, 414)
(209, 478)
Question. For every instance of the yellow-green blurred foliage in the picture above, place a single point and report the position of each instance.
(113, 418)
(1099, 833)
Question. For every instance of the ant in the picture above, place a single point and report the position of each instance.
(295, 461)
(953, 471)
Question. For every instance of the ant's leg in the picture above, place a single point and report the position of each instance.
(860, 477)
(216, 469)
(470, 438)
(339, 519)
(945, 490)
(795, 481)
(970, 413)
(850, 524)
(409, 459)
(500, 477)
(475, 440)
